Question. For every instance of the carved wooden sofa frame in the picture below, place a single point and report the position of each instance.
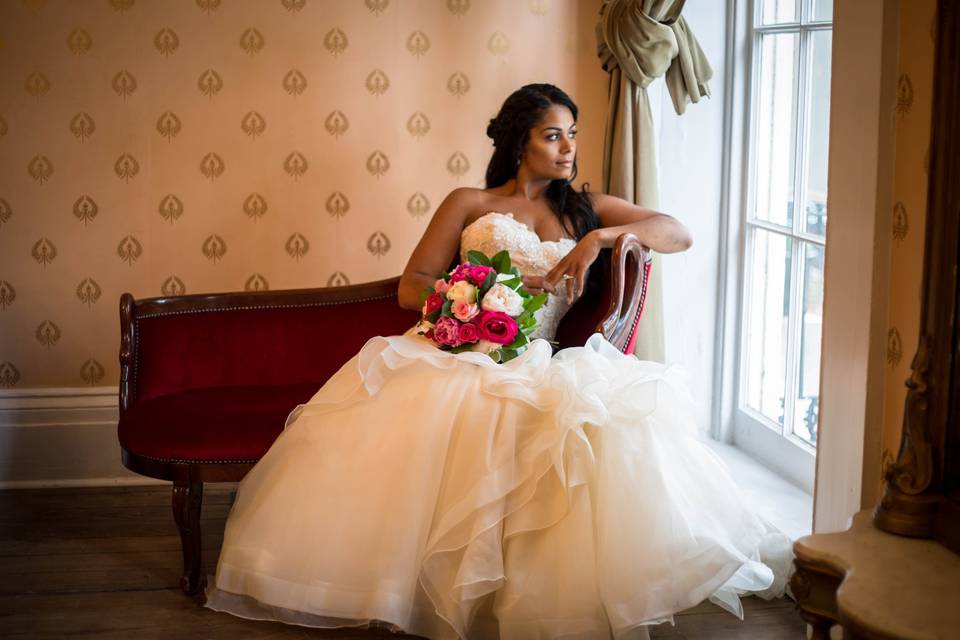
(207, 380)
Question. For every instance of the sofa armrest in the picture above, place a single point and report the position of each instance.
(629, 274)
(615, 310)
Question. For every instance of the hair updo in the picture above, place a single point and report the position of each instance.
(510, 132)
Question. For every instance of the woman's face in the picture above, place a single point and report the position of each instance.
(552, 146)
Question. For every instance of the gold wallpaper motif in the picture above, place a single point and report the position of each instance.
(88, 291)
(167, 147)
(904, 94)
(9, 375)
(7, 295)
(79, 41)
(173, 286)
(256, 282)
(166, 41)
(85, 209)
(901, 223)
(913, 105)
(44, 251)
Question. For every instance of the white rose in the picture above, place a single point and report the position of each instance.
(502, 298)
(462, 290)
(423, 326)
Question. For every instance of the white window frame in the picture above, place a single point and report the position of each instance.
(775, 446)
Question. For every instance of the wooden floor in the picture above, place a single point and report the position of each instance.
(105, 562)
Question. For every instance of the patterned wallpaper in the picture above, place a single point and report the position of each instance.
(170, 146)
(913, 113)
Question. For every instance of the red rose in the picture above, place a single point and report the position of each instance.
(497, 327)
(434, 302)
(479, 273)
(468, 333)
(460, 273)
(447, 332)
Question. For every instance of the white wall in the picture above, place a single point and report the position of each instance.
(691, 162)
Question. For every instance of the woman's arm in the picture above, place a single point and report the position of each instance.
(437, 247)
(658, 231)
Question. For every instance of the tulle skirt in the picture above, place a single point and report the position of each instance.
(451, 497)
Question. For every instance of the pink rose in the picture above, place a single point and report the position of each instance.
(460, 273)
(464, 311)
(434, 302)
(479, 273)
(447, 331)
(498, 327)
(441, 286)
(469, 333)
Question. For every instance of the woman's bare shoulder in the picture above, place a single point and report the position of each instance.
(464, 204)
(465, 196)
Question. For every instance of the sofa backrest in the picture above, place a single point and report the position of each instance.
(251, 338)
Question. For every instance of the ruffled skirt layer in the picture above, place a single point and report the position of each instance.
(448, 496)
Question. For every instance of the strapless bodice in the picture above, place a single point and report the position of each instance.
(494, 232)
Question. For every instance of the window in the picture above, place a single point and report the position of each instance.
(785, 217)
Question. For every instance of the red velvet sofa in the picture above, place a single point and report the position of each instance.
(207, 380)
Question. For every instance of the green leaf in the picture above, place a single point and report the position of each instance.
(446, 310)
(513, 283)
(520, 341)
(495, 355)
(478, 257)
(426, 294)
(515, 271)
(535, 302)
(507, 354)
(501, 262)
(488, 282)
(462, 348)
(433, 317)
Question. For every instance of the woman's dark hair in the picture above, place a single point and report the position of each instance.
(510, 131)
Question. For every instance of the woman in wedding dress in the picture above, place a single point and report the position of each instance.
(449, 496)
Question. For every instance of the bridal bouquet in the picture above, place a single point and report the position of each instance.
(480, 306)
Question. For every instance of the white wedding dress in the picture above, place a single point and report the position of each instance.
(451, 497)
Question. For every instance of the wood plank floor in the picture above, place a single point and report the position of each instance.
(105, 563)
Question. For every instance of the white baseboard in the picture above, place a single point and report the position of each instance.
(63, 437)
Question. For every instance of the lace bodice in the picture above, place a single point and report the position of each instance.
(494, 232)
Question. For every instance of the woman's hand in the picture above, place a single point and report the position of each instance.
(573, 267)
(538, 284)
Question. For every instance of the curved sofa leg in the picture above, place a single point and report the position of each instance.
(187, 501)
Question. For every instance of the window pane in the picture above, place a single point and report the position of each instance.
(778, 11)
(776, 128)
(807, 404)
(823, 10)
(818, 133)
(768, 315)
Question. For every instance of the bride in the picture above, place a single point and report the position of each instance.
(448, 496)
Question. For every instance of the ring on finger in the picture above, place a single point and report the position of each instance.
(567, 276)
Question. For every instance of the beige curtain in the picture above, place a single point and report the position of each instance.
(639, 41)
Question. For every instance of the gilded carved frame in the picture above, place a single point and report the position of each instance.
(921, 497)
